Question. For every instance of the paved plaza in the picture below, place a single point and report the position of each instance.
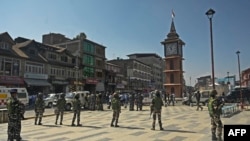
(181, 123)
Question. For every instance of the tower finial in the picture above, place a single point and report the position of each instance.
(173, 15)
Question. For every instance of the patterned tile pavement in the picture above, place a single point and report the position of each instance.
(181, 123)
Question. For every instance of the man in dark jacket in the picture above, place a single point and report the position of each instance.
(198, 97)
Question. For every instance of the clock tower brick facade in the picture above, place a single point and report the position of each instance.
(174, 63)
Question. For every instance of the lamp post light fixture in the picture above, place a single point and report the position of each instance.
(241, 99)
(210, 14)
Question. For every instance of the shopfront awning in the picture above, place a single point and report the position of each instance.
(37, 82)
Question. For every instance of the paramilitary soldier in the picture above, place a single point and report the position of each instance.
(214, 107)
(39, 108)
(77, 110)
(116, 106)
(60, 106)
(156, 106)
(14, 116)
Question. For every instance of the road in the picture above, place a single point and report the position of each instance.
(181, 123)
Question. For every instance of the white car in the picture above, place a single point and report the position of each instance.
(49, 99)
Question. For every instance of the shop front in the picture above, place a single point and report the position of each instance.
(11, 81)
(37, 83)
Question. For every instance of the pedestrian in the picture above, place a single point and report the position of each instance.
(60, 107)
(99, 104)
(214, 107)
(172, 98)
(116, 107)
(140, 102)
(198, 97)
(14, 116)
(131, 101)
(156, 106)
(76, 110)
(39, 108)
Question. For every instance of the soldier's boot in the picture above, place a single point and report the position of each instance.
(40, 121)
(160, 124)
(116, 123)
(214, 138)
(56, 119)
(73, 122)
(78, 123)
(153, 126)
(35, 120)
(61, 121)
(112, 125)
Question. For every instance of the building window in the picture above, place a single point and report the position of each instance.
(64, 58)
(52, 56)
(88, 60)
(171, 64)
(99, 74)
(88, 47)
(171, 78)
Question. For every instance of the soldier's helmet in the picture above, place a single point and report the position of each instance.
(157, 93)
(115, 95)
(62, 95)
(13, 91)
(40, 95)
(213, 93)
(77, 96)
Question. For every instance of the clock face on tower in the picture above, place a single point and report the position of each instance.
(171, 49)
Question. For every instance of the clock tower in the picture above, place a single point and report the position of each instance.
(173, 54)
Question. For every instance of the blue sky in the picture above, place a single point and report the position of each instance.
(138, 26)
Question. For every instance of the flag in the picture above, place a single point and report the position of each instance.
(173, 15)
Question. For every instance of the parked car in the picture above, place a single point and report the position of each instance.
(69, 97)
(49, 99)
(204, 98)
(235, 95)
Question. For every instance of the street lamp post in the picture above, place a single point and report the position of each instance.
(228, 78)
(210, 14)
(241, 99)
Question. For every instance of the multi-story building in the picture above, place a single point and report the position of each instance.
(245, 82)
(39, 67)
(114, 79)
(156, 64)
(138, 74)
(11, 74)
(92, 56)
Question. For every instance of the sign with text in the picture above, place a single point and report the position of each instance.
(236, 132)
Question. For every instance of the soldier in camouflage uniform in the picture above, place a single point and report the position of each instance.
(131, 101)
(14, 116)
(60, 107)
(99, 102)
(76, 110)
(116, 106)
(156, 106)
(39, 108)
(214, 107)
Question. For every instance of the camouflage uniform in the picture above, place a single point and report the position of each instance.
(156, 106)
(116, 106)
(39, 108)
(99, 102)
(14, 117)
(214, 108)
(131, 102)
(60, 107)
(139, 102)
(76, 110)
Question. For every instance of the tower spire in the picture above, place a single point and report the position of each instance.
(172, 33)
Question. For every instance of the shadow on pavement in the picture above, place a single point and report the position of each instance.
(96, 127)
(180, 131)
(130, 127)
(50, 125)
